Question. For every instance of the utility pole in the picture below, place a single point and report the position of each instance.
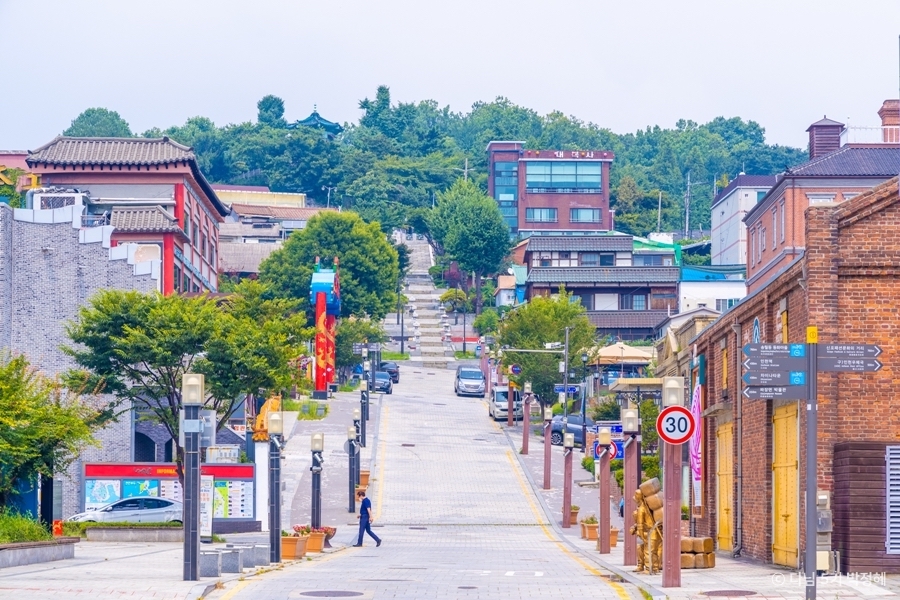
(687, 207)
(330, 189)
(566, 386)
(659, 214)
(465, 175)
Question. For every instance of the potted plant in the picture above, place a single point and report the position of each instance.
(613, 537)
(316, 540)
(590, 526)
(573, 515)
(363, 478)
(293, 544)
(329, 533)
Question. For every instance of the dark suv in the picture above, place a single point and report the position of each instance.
(392, 369)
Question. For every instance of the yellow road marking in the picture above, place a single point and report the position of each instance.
(230, 593)
(382, 427)
(620, 590)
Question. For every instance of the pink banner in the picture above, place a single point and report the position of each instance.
(696, 447)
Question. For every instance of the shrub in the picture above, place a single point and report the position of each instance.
(74, 529)
(587, 463)
(15, 527)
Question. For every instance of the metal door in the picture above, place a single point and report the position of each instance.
(786, 496)
(725, 485)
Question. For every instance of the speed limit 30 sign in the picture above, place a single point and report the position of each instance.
(675, 425)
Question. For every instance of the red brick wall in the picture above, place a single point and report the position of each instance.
(851, 271)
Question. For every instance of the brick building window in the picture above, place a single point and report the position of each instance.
(774, 228)
(177, 278)
(752, 247)
(782, 220)
(634, 302)
(185, 282)
(540, 215)
(584, 215)
(762, 241)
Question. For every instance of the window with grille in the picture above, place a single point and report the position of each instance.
(892, 475)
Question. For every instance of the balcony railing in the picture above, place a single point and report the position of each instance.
(94, 220)
(871, 135)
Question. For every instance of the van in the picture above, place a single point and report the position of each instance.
(469, 382)
(499, 403)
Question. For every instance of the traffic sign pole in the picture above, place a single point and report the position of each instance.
(671, 568)
(812, 409)
(603, 475)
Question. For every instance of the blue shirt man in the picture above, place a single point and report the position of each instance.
(365, 520)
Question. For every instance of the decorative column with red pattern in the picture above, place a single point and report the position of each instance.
(321, 344)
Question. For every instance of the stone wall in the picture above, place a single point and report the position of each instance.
(47, 272)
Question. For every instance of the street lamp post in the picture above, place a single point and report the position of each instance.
(584, 359)
(548, 422)
(358, 427)
(317, 446)
(672, 395)
(276, 430)
(192, 392)
(568, 444)
(604, 440)
(526, 416)
(631, 429)
(330, 189)
(351, 469)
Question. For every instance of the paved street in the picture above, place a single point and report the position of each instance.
(455, 511)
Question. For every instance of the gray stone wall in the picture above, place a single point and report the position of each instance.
(46, 274)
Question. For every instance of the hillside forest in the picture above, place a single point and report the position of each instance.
(392, 164)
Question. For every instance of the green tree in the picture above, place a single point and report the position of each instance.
(137, 347)
(455, 300)
(649, 411)
(99, 122)
(473, 232)
(608, 410)
(368, 264)
(544, 320)
(487, 322)
(42, 430)
(13, 198)
(271, 111)
(353, 330)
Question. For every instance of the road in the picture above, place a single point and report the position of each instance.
(456, 513)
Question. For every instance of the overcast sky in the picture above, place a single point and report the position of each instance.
(623, 65)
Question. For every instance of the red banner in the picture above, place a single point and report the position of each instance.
(162, 471)
(331, 335)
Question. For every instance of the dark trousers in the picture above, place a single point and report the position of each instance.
(364, 527)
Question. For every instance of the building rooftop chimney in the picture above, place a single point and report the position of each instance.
(824, 137)
(890, 121)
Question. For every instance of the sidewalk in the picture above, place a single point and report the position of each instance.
(729, 578)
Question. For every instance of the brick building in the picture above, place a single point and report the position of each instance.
(150, 190)
(834, 173)
(550, 192)
(844, 283)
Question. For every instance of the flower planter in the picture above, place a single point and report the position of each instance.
(293, 546)
(590, 530)
(613, 537)
(316, 542)
(583, 531)
(573, 517)
(363, 478)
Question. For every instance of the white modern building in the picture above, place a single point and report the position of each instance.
(729, 233)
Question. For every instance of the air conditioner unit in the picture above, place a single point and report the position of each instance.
(59, 199)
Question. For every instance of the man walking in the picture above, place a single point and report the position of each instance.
(365, 520)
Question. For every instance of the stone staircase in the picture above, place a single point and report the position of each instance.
(424, 300)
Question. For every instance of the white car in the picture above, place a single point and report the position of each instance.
(134, 510)
(498, 405)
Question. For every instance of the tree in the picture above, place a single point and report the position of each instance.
(369, 267)
(271, 111)
(473, 232)
(544, 320)
(8, 190)
(42, 429)
(455, 300)
(608, 410)
(487, 322)
(353, 330)
(137, 347)
(99, 122)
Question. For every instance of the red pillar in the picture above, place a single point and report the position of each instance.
(630, 484)
(179, 203)
(671, 574)
(603, 476)
(567, 488)
(168, 264)
(330, 361)
(547, 425)
(321, 384)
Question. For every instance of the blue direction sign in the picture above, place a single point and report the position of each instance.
(772, 350)
(774, 392)
(849, 350)
(515, 369)
(775, 363)
(775, 378)
(573, 389)
(853, 365)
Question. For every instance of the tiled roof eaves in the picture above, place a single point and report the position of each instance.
(644, 319)
(604, 275)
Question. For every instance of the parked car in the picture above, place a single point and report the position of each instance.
(469, 382)
(383, 382)
(134, 510)
(392, 369)
(498, 407)
(573, 427)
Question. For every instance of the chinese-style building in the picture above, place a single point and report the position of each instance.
(150, 190)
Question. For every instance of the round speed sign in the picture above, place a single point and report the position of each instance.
(675, 425)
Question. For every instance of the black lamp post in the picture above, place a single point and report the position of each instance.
(317, 446)
(276, 429)
(584, 359)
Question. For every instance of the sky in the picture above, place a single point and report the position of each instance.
(623, 65)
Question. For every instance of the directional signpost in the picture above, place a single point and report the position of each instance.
(775, 371)
(775, 378)
(853, 358)
(557, 388)
(776, 392)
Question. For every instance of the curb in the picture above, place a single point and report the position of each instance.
(654, 592)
